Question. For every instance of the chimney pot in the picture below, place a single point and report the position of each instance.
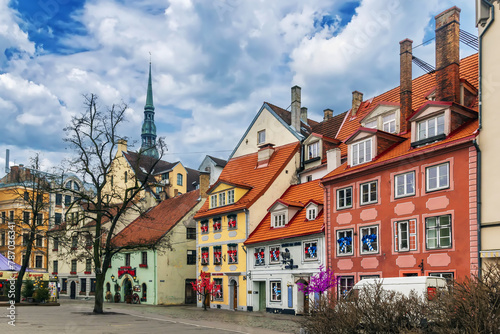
(405, 85)
(357, 98)
(295, 123)
(204, 184)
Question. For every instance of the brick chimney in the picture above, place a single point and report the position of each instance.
(204, 184)
(448, 55)
(264, 155)
(296, 108)
(327, 114)
(122, 146)
(357, 98)
(303, 114)
(405, 63)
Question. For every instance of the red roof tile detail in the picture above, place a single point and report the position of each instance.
(298, 225)
(330, 127)
(242, 170)
(151, 227)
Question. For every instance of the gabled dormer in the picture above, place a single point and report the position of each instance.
(384, 116)
(283, 211)
(315, 148)
(313, 209)
(365, 144)
(226, 193)
(435, 120)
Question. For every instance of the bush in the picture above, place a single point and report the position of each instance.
(42, 294)
(28, 289)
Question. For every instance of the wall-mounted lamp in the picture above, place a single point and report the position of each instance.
(113, 278)
(421, 266)
(136, 280)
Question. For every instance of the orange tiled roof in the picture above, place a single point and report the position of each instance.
(151, 227)
(330, 127)
(287, 117)
(243, 170)
(298, 225)
(421, 87)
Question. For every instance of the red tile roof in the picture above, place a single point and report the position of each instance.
(243, 170)
(330, 127)
(298, 225)
(151, 227)
(287, 117)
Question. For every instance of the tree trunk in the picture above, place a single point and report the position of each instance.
(99, 293)
(20, 276)
(205, 300)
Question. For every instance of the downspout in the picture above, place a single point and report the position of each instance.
(478, 196)
(155, 280)
(480, 90)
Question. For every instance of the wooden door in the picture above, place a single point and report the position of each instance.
(73, 290)
(235, 296)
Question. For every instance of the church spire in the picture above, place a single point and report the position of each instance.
(148, 135)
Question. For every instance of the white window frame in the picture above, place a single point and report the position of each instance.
(403, 229)
(341, 193)
(230, 196)
(213, 201)
(373, 124)
(432, 122)
(313, 150)
(345, 284)
(312, 213)
(229, 257)
(222, 199)
(261, 137)
(275, 297)
(366, 187)
(361, 152)
(343, 234)
(375, 245)
(389, 122)
(307, 254)
(258, 250)
(219, 294)
(438, 228)
(271, 259)
(279, 219)
(438, 177)
(402, 180)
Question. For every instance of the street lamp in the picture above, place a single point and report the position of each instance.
(113, 278)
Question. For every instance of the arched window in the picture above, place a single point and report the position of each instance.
(179, 179)
(108, 287)
(144, 292)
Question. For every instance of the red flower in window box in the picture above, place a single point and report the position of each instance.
(204, 258)
(232, 255)
(204, 228)
(87, 272)
(217, 256)
(217, 225)
(72, 272)
(232, 223)
(143, 265)
(54, 273)
(55, 249)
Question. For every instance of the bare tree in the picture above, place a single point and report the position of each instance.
(94, 137)
(30, 189)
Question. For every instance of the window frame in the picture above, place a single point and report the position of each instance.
(205, 260)
(261, 137)
(436, 125)
(273, 249)
(218, 289)
(262, 252)
(345, 285)
(313, 150)
(362, 243)
(230, 220)
(191, 233)
(213, 201)
(338, 197)
(438, 229)
(278, 219)
(438, 176)
(370, 192)
(222, 198)
(356, 152)
(191, 257)
(180, 179)
(127, 259)
(311, 213)
(405, 184)
(232, 248)
(55, 266)
(38, 261)
(217, 224)
(351, 245)
(306, 246)
(217, 250)
(230, 196)
(390, 122)
(203, 224)
(275, 296)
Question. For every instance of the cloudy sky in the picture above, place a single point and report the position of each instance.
(214, 63)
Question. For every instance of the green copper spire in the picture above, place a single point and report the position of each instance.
(148, 135)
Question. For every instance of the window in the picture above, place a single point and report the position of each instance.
(73, 266)
(39, 241)
(39, 219)
(231, 222)
(371, 124)
(4, 218)
(389, 123)
(68, 184)
(179, 179)
(368, 192)
(313, 150)
(309, 178)
(76, 187)
(74, 242)
(25, 239)
(311, 250)
(448, 276)
(191, 257)
(405, 235)
(438, 232)
(361, 152)
(344, 198)
(57, 218)
(38, 261)
(88, 241)
(26, 196)
(213, 201)
(230, 196)
(26, 217)
(404, 184)
(312, 212)
(204, 226)
(217, 224)
(64, 284)
(92, 284)
(368, 276)
(232, 253)
(126, 177)
(67, 200)
(88, 265)
(144, 292)
(345, 285)
(261, 137)
(191, 233)
(11, 216)
(58, 199)
(431, 127)
(204, 256)
(369, 239)
(260, 256)
(275, 291)
(218, 289)
(437, 177)
(144, 258)
(83, 285)
(56, 244)
(217, 254)
(127, 260)
(222, 199)
(274, 254)
(344, 242)
(278, 219)
(2, 239)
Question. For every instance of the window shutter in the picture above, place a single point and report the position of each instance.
(396, 242)
(413, 234)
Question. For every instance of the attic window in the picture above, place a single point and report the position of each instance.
(278, 219)
(313, 150)
(261, 137)
(361, 152)
(431, 127)
(312, 213)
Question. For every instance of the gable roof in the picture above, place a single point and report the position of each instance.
(330, 127)
(141, 164)
(193, 179)
(151, 227)
(218, 162)
(298, 225)
(242, 170)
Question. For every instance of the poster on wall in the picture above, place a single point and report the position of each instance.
(53, 290)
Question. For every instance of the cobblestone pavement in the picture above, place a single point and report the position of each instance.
(76, 317)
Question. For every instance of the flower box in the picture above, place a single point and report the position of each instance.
(87, 272)
(63, 292)
(143, 265)
(72, 272)
(54, 273)
(82, 293)
(55, 249)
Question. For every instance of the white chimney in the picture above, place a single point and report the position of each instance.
(332, 159)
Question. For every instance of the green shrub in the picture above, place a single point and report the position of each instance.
(28, 289)
(42, 294)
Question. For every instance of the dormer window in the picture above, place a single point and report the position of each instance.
(389, 123)
(361, 152)
(312, 213)
(261, 137)
(384, 116)
(213, 201)
(313, 150)
(278, 219)
(431, 127)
